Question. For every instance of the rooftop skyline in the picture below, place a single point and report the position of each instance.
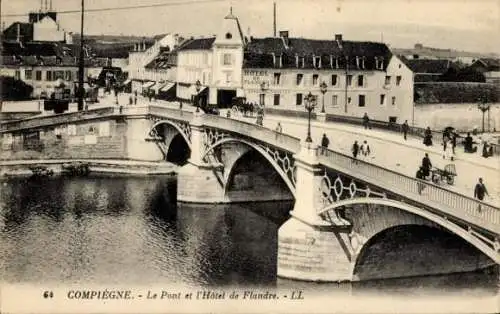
(456, 24)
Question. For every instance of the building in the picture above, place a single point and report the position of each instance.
(429, 70)
(216, 62)
(489, 67)
(141, 62)
(358, 77)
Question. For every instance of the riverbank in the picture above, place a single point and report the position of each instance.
(10, 168)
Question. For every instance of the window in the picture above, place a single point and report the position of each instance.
(317, 62)
(334, 79)
(335, 100)
(28, 74)
(349, 80)
(277, 61)
(58, 75)
(387, 80)
(334, 62)
(277, 77)
(361, 100)
(262, 99)
(315, 79)
(299, 61)
(38, 75)
(299, 100)
(360, 62)
(393, 100)
(229, 77)
(360, 80)
(276, 99)
(299, 78)
(68, 76)
(379, 63)
(382, 99)
(229, 36)
(226, 59)
(17, 75)
(398, 80)
(48, 76)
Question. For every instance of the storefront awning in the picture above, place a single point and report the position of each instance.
(127, 81)
(166, 87)
(148, 84)
(194, 92)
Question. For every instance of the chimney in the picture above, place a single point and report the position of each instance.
(284, 36)
(338, 37)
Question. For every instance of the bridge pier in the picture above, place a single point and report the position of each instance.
(308, 247)
(197, 181)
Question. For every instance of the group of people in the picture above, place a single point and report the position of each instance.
(363, 150)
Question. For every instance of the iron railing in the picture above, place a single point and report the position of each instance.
(433, 197)
(171, 113)
(251, 130)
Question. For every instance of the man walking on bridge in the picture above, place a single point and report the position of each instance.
(324, 144)
(480, 190)
(426, 165)
(405, 128)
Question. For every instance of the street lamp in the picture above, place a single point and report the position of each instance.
(198, 88)
(310, 103)
(483, 106)
(323, 88)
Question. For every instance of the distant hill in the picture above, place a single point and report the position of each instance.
(423, 51)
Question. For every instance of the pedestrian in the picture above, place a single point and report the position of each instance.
(366, 121)
(180, 105)
(480, 190)
(428, 137)
(485, 149)
(426, 165)
(454, 136)
(405, 129)
(135, 99)
(279, 129)
(324, 144)
(130, 100)
(365, 149)
(228, 114)
(420, 175)
(355, 149)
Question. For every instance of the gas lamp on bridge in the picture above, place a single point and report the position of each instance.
(484, 106)
(197, 100)
(310, 104)
(323, 89)
(263, 88)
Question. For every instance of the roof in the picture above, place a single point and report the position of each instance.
(489, 63)
(197, 44)
(259, 52)
(429, 66)
(25, 30)
(52, 61)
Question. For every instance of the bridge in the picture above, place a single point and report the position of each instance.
(342, 207)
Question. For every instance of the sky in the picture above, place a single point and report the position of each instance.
(470, 25)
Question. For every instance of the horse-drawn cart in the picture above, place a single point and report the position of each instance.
(447, 174)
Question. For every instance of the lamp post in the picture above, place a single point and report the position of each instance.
(197, 100)
(323, 88)
(81, 63)
(483, 106)
(310, 103)
(263, 88)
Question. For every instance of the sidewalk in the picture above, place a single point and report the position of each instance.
(391, 151)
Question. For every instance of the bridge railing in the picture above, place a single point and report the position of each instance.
(254, 131)
(432, 196)
(171, 113)
(52, 119)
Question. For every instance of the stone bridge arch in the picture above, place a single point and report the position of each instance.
(282, 162)
(371, 219)
(170, 137)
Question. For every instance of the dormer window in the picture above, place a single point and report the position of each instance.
(317, 62)
(299, 61)
(277, 60)
(379, 63)
(58, 60)
(360, 62)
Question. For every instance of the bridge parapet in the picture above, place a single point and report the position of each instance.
(433, 198)
(63, 118)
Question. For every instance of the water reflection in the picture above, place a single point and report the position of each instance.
(106, 229)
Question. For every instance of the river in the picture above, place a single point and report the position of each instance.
(130, 230)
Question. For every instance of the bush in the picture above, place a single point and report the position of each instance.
(14, 89)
